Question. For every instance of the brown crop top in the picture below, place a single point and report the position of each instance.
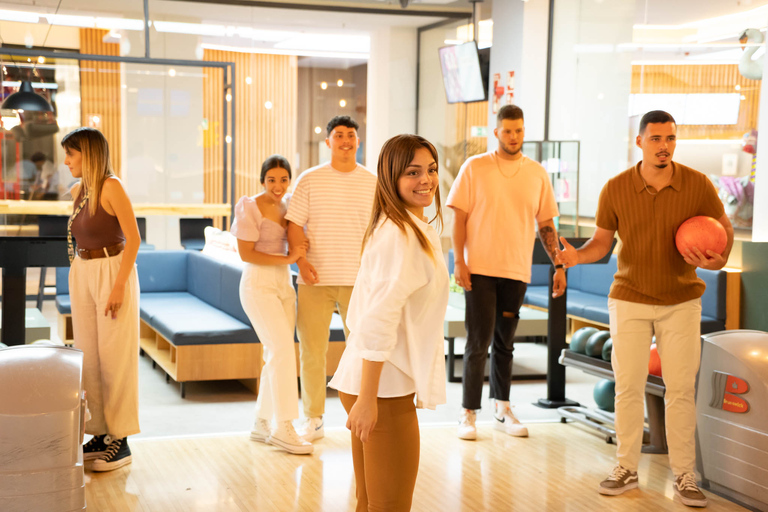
(97, 231)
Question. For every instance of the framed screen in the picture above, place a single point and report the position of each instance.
(462, 77)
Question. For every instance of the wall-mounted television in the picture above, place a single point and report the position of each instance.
(465, 72)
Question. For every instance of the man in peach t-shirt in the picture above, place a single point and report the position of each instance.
(498, 199)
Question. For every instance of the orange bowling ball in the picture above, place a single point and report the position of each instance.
(654, 363)
(704, 233)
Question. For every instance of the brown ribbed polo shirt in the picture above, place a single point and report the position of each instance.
(650, 269)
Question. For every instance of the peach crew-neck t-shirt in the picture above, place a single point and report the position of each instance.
(503, 200)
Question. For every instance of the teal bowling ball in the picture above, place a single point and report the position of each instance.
(595, 343)
(580, 338)
(605, 394)
(607, 349)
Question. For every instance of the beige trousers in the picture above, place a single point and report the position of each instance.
(313, 326)
(677, 329)
(110, 347)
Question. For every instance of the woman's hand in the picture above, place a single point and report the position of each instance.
(362, 418)
(297, 252)
(115, 300)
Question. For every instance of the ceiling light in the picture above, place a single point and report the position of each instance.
(318, 129)
(171, 72)
(228, 138)
(327, 42)
(229, 97)
(342, 103)
(41, 60)
(197, 29)
(20, 16)
(119, 24)
(248, 80)
(323, 85)
(340, 82)
(69, 20)
(268, 105)
(26, 99)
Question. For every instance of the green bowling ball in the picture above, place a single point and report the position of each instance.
(595, 343)
(607, 349)
(580, 338)
(605, 394)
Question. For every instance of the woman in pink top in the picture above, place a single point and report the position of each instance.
(269, 300)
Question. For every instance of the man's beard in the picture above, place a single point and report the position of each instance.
(507, 151)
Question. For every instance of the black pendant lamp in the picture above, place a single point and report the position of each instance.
(26, 99)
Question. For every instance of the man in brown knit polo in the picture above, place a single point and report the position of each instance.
(655, 291)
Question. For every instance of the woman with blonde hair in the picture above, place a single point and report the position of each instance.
(394, 359)
(104, 291)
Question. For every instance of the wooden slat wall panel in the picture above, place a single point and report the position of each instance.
(260, 132)
(705, 78)
(100, 90)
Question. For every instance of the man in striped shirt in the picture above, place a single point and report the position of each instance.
(655, 291)
(331, 207)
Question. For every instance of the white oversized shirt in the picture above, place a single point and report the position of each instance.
(396, 315)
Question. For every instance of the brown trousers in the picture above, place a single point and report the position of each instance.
(387, 464)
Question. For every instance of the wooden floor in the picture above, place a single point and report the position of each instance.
(556, 469)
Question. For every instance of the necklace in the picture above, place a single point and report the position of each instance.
(646, 185)
(519, 166)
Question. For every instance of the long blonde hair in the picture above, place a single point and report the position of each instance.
(396, 154)
(95, 161)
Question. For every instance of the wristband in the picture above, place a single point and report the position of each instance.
(559, 265)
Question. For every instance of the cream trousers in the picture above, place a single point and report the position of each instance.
(110, 347)
(678, 340)
(268, 299)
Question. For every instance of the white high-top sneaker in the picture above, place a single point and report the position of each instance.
(467, 429)
(260, 430)
(506, 421)
(312, 429)
(285, 437)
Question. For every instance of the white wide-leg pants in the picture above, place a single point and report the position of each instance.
(269, 300)
(110, 347)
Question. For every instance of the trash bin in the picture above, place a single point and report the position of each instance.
(42, 408)
(732, 416)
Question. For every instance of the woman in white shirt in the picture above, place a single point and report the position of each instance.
(394, 351)
(269, 300)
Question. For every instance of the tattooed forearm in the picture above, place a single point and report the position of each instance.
(548, 238)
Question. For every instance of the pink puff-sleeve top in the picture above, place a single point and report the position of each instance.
(250, 225)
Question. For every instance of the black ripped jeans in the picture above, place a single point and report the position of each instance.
(492, 314)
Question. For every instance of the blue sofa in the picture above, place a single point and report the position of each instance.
(588, 287)
(192, 323)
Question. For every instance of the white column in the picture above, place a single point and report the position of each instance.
(391, 88)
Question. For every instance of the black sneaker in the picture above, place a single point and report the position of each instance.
(116, 456)
(96, 447)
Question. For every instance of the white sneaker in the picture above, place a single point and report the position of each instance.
(285, 437)
(312, 429)
(467, 429)
(506, 421)
(261, 430)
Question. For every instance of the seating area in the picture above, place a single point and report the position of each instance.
(192, 323)
(588, 287)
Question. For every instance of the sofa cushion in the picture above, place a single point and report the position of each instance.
(597, 314)
(539, 275)
(537, 296)
(713, 300)
(230, 292)
(156, 302)
(578, 301)
(62, 280)
(162, 271)
(204, 278)
(597, 278)
(190, 321)
(63, 305)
